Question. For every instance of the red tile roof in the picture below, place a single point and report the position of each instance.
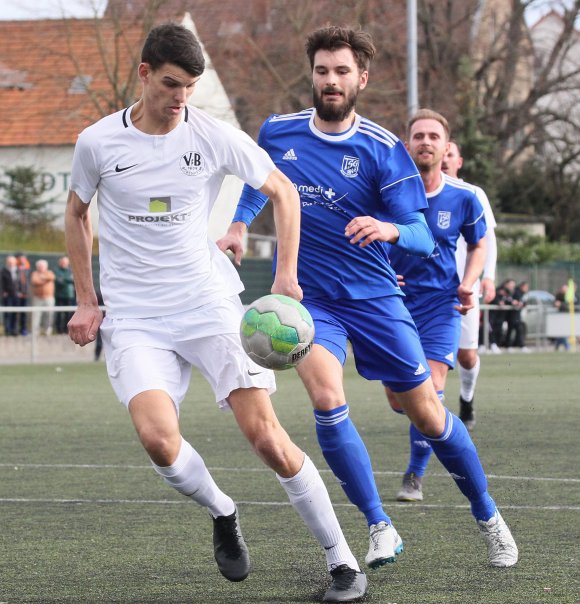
(37, 70)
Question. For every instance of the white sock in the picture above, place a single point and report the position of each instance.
(467, 380)
(307, 493)
(189, 475)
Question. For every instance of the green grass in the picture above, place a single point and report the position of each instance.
(85, 519)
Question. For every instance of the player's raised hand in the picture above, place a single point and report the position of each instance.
(84, 324)
(366, 229)
(233, 241)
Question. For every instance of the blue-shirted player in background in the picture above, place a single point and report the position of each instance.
(361, 197)
(436, 298)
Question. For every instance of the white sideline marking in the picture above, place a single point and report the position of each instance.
(17, 466)
(565, 508)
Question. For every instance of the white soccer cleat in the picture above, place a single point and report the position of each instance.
(384, 545)
(501, 547)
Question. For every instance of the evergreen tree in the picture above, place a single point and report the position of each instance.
(23, 198)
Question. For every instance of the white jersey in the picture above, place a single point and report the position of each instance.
(155, 195)
(491, 251)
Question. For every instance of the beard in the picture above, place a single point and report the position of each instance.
(426, 163)
(334, 112)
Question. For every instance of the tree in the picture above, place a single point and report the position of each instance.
(23, 201)
(546, 190)
(520, 77)
(508, 94)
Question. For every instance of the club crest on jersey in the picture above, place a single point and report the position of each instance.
(350, 166)
(443, 220)
(192, 163)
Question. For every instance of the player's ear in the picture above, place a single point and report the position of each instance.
(144, 70)
(363, 79)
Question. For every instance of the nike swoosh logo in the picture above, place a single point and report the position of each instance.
(117, 169)
(254, 372)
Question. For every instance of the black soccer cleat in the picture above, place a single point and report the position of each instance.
(348, 585)
(230, 550)
(466, 413)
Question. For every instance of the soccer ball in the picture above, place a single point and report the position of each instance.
(277, 332)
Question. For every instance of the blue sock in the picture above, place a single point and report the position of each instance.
(420, 452)
(420, 448)
(348, 458)
(456, 451)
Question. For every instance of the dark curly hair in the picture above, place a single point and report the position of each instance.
(334, 37)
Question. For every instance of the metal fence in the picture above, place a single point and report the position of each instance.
(35, 348)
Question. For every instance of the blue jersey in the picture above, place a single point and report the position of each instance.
(453, 210)
(365, 171)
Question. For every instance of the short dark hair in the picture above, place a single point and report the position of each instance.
(175, 44)
(334, 37)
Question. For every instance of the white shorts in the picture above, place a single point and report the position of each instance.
(158, 353)
(469, 338)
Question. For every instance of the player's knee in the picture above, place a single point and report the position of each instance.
(162, 449)
(326, 399)
(430, 424)
(467, 358)
(275, 448)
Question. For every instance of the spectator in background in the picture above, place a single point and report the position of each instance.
(42, 284)
(516, 328)
(562, 303)
(64, 293)
(498, 317)
(22, 291)
(9, 283)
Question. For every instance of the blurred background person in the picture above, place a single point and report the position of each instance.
(22, 290)
(562, 302)
(42, 285)
(64, 293)
(516, 328)
(8, 285)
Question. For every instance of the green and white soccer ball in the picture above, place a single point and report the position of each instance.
(277, 332)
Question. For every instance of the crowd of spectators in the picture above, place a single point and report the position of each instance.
(43, 287)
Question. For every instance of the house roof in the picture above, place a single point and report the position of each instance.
(44, 68)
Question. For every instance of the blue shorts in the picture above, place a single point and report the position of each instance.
(384, 339)
(438, 323)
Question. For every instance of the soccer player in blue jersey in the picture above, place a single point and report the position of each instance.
(437, 298)
(361, 196)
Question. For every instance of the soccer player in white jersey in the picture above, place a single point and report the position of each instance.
(172, 296)
(362, 197)
(467, 357)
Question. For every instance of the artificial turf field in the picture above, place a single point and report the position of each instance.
(83, 517)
